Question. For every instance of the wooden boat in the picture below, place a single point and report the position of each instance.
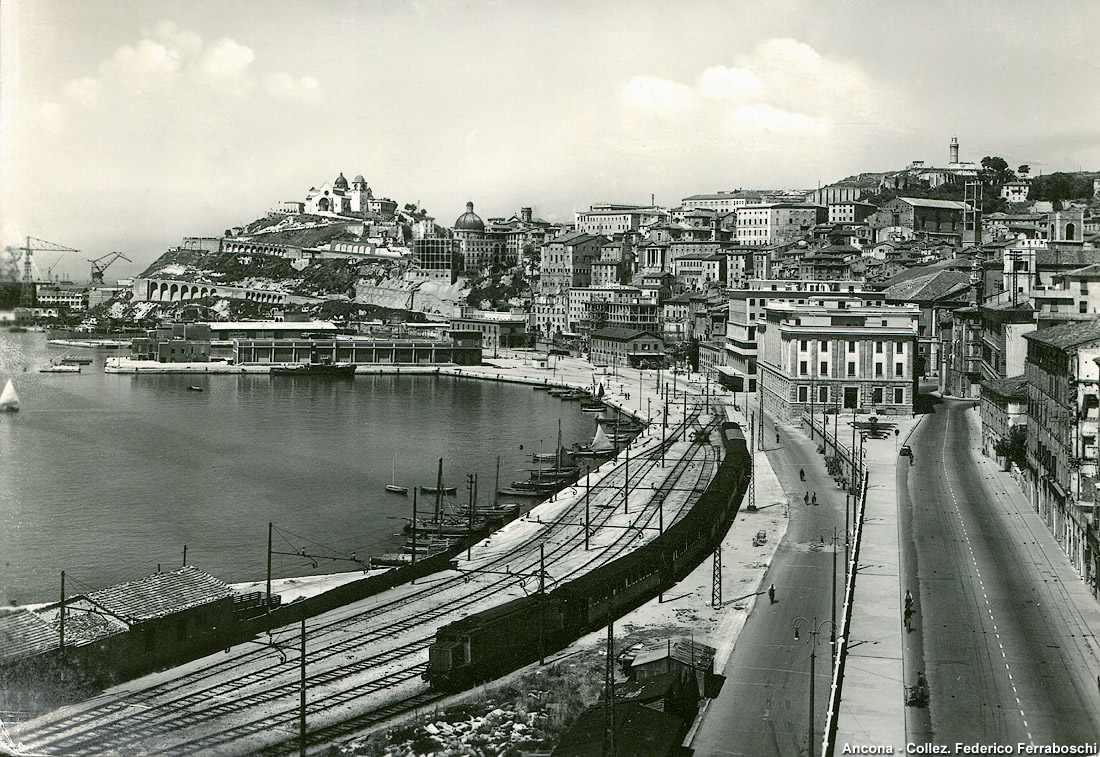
(60, 369)
(593, 406)
(75, 360)
(317, 367)
(392, 486)
(9, 400)
(526, 493)
(506, 510)
(194, 388)
(447, 527)
(435, 490)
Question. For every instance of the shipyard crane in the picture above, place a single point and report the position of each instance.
(28, 250)
(99, 265)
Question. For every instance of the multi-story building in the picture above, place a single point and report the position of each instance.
(675, 321)
(626, 347)
(1073, 296)
(930, 219)
(775, 223)
(566, 264)
(858, 359)
(608, 219)
(618, 306)
(850, 212)
(721, 201)
(1063, 399)
(498, 330)
(699, 270)
(523, 235)
(1015, 191)
(435, 256)
(54, 295)
(615, 263)
(1004, 406)
(479, 248)
(937, 294)
(746, 314)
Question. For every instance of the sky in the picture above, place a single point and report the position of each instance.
(125, 126)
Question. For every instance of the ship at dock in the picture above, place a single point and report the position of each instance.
(317, 367)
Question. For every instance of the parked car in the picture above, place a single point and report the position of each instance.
(905, 451)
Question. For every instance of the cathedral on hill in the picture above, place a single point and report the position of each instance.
(339, 199)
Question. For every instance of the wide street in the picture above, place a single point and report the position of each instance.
(763, 707)
(1000, 625)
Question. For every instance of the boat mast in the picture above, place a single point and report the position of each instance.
(439, 498)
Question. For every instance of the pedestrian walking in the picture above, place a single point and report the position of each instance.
(777, 437)
(771, 600)
(802, 474)
(814, 498)
(807, 498)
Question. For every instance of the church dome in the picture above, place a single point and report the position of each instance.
(469, 221)
(341, 182)
(359, 179)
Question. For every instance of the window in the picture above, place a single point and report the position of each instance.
(899, 369)
(752, 302)
(802, 370)
(823, 394)
(851, 368)
(824, 368)
(899, 395)
(803, 393)
(878, 348)
(824, 345)
(876, 395)
(851, 346)
(878, 369)
(803, 345)
(1083, 307)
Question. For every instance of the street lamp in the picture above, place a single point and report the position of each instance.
(814, 630)
(822, 535)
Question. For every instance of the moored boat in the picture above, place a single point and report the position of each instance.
(193, 388)
(60, 369)
(75, 360)
(393, 486)
(435, 490)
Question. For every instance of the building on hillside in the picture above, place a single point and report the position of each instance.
(615, 264)
(632, 348)
(58, 296)
(1063, 388)
(522, 235)
(701, 270)
(463, 347)
(479, 249)
(608, 219)
(929, 219)
(937, 294)
(1074, 296)
(850, 212)
(777, 223)
(337, 198)
(721, 201)
(857, 359)
(675, 321)
(828, 263)
(566, 263)
(1003, 407)
(838, 193)
(437, 257)
(595, 308)
(1015, 191)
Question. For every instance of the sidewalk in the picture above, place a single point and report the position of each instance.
(872, 703)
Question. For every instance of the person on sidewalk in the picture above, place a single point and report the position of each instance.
(801, 474)
(771, 594)
(806, 498)
(814, 499)
(777, 437)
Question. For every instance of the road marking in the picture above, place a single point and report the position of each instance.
(977, 570)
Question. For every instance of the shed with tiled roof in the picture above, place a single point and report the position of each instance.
(161, 594)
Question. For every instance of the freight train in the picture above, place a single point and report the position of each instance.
(496, 641)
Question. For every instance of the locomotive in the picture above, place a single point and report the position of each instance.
(498, 640)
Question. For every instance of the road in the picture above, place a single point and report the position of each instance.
(1002, 643)
(763, 707)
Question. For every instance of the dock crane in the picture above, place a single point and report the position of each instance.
(99, 265)
(28, 250)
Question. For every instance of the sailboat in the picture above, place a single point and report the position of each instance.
(392, 486)
(600, 445)
(9, 400)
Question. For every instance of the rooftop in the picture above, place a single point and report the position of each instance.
(1068, 334)
(920, 202)
(1013, 387)
(160, 594)
(621, 334)
(24, 634)
(929, 287)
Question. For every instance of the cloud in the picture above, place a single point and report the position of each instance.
(653, 94)
(288, 87)
(226, 58)
(84, 91)
(732, 84)
(145, 63)
(767, 118)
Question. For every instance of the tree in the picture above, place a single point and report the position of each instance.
(1013, 448)
(995, 172)
(1023, 170)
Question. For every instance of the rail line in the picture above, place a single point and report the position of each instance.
(211, 703)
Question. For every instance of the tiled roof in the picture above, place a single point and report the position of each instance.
(161, 594)
(929, 287)
(1067, 258)
(1068, 334)
(24, 634)
(1013, 387)
(1089, 270)
(920, 202)
(621, 335)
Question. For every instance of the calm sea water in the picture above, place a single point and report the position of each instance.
(106, 476)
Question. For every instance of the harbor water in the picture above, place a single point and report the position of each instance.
(107, 476)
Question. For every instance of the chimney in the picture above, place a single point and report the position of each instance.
(954, 149)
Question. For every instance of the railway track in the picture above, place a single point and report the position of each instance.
(148, 716)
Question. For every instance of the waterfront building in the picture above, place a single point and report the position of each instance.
(1063, 401)
(626, 347)
(566, 263)
(57, 296)
(594, 308)
(498, 330)
(859, 359)
(746, 314)
(461, 348)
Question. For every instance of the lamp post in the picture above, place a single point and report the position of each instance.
(814, 630)
(832, 633)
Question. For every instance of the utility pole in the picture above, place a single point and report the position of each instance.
(185, 555)
(270, 527)
(62, 615)
(302, 703)
(609, 690)
(414, 530)
(626, 482)
(716, 579)
(587, 491)
(542, 603)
